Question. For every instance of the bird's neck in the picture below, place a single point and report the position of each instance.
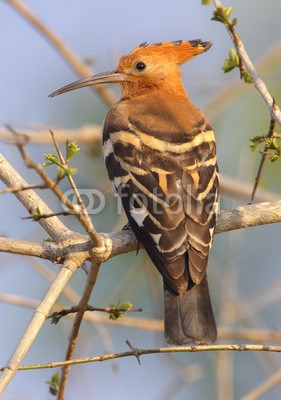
(165, 88)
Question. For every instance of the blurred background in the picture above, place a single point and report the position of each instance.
(244, 268)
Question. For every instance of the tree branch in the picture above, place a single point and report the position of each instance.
(85, 134)
(38, 319)
(160, 350)
(30, 200)
(258, 82)
(125, 241)
(91, 134)
(72, 59)
(83, 304)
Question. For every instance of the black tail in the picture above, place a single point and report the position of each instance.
(189, 316)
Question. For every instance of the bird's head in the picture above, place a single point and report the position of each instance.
(145, 68)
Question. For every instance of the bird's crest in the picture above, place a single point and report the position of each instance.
(178, 51)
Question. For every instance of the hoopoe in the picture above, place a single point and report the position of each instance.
(160, 154)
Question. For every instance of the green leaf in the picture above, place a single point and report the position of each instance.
(51, 159)
(222, 14)
(206, 2)
(247, 77)
(70, 171)
(71, 149)
(36, 215)
(55, 318)
(272, 144)
(231, 62)
(61, 171)
(233, 56)
(227, 11)
(119, 310)
(47, 164)
(54, 384)
(255, 142)
(274, 157)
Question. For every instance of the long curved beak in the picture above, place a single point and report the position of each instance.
(106, 77)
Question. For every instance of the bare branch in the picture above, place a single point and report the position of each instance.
(38, 319)
(264, 387)
(231, 187)
(31, 201)
(125, 241)
(258, 82)
(48, 250)
(249, 215)
(145, 324)
(229, 92)
(86, 221)
(84, 134)
(53, 186)
(18, 189)
(160, 350)
(83, 304)
(91, 134)
(72, 59)
(57, 315)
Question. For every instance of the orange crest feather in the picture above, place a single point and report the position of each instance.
(179, 51)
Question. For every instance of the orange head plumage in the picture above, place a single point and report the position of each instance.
(146, 68)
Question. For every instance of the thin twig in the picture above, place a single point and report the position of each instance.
(154, 325)
(72, 59)
(85, 134)
(269, 60)
(18, 189)
(52, 185)
(31, 201)
(83, 304)
(264, 153)
(160, 350)
(57, 315)
(232, 187)
(258, 82)
(44, 216)
(37, 321)
(58, 232)
(73, 297)
(264, 387)
(87, 222)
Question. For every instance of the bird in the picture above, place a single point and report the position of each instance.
(160, 154)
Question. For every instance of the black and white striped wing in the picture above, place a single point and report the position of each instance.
(168, 186)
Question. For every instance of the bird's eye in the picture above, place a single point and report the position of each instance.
(140, 66)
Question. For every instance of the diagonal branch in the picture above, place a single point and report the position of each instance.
(71, 58)
(83, 304)
(258, 82)
(31, 201)
(38, 319)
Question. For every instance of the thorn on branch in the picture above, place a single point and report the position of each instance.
(134, 350)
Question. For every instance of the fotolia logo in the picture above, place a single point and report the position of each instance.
(93, 199)
(157, 203)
